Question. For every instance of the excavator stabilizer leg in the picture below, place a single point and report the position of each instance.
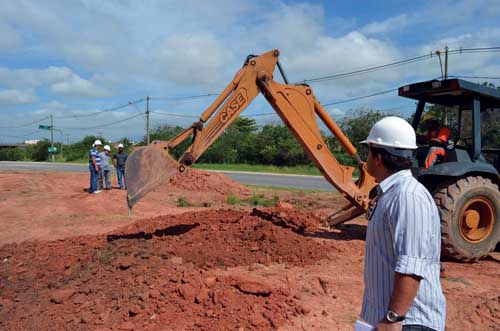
(146, 169)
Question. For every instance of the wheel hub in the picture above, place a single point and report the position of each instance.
(477, 220)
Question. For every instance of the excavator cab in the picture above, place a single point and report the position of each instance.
(465, 181)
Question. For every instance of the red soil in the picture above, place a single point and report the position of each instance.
(157, 273)
(70, 260)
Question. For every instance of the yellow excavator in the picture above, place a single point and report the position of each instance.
(149, 167)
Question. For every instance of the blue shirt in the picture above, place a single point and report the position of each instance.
(104, 161)
(404, 236)
(93, 153)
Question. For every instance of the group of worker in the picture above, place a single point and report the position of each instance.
(403, 240)
(100, 169)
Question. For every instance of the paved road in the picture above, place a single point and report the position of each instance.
(249, 178)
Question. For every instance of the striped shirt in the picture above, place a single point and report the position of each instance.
(404, 236)
(94, 153)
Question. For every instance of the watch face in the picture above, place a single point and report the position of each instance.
(392, 316)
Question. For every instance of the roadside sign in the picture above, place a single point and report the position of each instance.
(45, 127)
(52, 150)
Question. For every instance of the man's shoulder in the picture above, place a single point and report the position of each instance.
(411, 187)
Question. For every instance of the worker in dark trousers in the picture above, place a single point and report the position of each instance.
(94, 161)
(119, 161)
(104, 182)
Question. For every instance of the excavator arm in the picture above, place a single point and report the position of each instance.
(150, 166)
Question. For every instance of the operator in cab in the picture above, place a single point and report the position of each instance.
(436, 136)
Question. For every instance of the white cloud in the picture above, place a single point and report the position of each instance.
(9, 39)
(297, 28)
(335, 55)
(33, 77)
(59, 80)
(388, 25)
(13, 97)
(76, 86)
(192, 59)
(55, 105)
(336, 113)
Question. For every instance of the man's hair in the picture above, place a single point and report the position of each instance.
(391, 162)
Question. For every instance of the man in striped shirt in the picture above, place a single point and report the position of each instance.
(403, 241)
(94, 160)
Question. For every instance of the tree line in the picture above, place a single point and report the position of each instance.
(245, 142)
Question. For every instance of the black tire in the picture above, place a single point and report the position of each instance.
(475, 196)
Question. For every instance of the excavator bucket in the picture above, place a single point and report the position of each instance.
(146, 169)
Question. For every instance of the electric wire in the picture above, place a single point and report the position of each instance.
(173, 115)
(472, 77)
(103, 125)
(400, 63)
(359, 98)
(26, 124)
(130, 103)
(190, 97)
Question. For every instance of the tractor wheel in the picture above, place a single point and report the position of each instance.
(469, 209)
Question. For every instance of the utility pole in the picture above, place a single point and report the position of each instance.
(52, 135)
(147, 119)
(446, 62)
(62, 143)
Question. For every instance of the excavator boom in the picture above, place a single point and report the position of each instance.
(150, 166)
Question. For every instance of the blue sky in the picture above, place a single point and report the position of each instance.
(74, 58)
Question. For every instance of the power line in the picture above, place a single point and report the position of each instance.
(369, 69)
(104, 125)
(173, 115)
(360, 97)
(25, 125)
(189, 97)
(102, 111)
(400, 63)
(473, 77)
(22, 135)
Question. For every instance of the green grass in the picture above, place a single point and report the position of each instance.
(297, 170)
(232, 199)
(254, 200)
(183, 202)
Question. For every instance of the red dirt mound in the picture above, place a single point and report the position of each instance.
(199, 180)
(164, 273)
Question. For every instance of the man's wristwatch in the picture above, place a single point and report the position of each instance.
(393, 317)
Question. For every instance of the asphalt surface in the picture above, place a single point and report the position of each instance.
(247, 178)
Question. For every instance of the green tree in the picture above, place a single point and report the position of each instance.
(12, 154)
(358, 127)
(235, 145)
(166, 132)
(277, 146)
(80, 149)
(39, 151)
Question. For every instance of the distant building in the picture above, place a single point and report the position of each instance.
(31, 142)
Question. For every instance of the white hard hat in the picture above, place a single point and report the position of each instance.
(106, 147)
(393, 134)
(120, 145)
(97, 143)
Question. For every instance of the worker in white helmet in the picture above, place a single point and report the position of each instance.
(94, 160)
(104, 169)
(403, 240)
(119, 160)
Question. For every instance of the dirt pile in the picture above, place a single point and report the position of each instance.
(170, 272)
(204, 181)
